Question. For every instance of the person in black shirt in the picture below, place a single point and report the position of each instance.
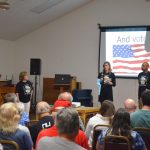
(107, 80)
(24, 90)
(144, 80)
(45, 120)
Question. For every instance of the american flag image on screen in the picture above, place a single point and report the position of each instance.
(127, 58)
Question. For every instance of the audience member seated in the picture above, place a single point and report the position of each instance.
(67, 123)
(80, 139)
(130, 105)
(141, 117)
(65, 96)
(24, 117)
(65, 99)
(20, 108)
(104, 117)
(121, 127)
(9, 117)
(45, 120)
(11, 97)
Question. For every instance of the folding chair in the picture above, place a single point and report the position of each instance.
(96, 132)
(145, 134)
(113, 142)
(10, 145)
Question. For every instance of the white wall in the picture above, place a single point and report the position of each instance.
(70, 44)
(6, 59)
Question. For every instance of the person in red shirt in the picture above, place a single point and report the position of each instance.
(65, 100)
(60, 103)
(80, 139)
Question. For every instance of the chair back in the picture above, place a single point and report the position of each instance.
(10, 145)
(145, 134)
(96, 132)
(113, 142)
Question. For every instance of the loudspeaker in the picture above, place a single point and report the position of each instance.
(35, 66)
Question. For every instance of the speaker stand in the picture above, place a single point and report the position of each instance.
(35, 95)
(35, 89)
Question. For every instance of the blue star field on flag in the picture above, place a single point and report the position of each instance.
(123, 51)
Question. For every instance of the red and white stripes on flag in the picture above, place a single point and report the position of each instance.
(131, 65)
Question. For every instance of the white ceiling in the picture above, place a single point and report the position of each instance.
(20, 18)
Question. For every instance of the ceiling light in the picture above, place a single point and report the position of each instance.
(4, 5)
(45, 5)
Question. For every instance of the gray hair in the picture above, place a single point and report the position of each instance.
(20, 107)
(42, 107)
(67, 121)
(65, 96)
(10, 97)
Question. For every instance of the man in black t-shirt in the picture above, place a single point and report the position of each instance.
(45, 120)
(143, 79)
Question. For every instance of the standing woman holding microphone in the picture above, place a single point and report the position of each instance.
(107, 80)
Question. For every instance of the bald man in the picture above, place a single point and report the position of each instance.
(130, 105)
(65, 96)
(65, 99)
(144, 79)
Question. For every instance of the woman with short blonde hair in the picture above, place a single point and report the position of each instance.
(9, 117)
(24, 90)
(22, 75)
